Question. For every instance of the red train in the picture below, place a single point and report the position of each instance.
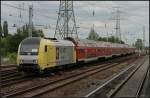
(89, 50)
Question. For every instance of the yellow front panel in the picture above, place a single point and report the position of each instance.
(18, 55)
(51, 55)
(46, 59)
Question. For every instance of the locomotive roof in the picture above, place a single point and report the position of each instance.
(78, 42)
(62, 42)
(86, 42)
(31, 40)
(35, 40)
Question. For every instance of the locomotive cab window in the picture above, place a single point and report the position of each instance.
(29, 46)
(45, 48)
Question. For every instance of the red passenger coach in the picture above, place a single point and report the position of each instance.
(89, 50)
(80, 51)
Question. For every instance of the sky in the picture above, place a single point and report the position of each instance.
(134, 16)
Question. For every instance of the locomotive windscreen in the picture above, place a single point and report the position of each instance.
(30, 46)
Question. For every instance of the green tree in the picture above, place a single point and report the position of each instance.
(112, 39)
(139, 44)
(100, 39)
(1, 31)
(122, 42)
(117, 40)
(37, 33)
(10, 43)
(5, 28)
(23, 32)
(104, 39)
(3, 44)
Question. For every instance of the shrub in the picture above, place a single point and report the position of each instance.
(12, 58)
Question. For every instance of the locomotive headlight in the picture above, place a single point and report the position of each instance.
(21, 61)
(35, 61)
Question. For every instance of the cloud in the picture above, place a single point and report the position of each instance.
(135, 15)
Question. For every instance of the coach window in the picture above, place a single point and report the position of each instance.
(81, 50)
(45, 48)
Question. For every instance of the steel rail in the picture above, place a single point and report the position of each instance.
(15, 81)
(10, 75)
(7, 71)
(138, 93)
(100, 90)
(8, 66)
(125, 80)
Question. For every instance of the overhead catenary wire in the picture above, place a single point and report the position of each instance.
(20, 15)
(23, 9)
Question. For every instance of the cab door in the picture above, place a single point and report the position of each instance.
(48, 55)
(51, 56)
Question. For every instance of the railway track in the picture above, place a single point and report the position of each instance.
(12, 76)
(9, 75)
(7, 70)
(142, 83)
(109, 89)
(8, 66)
(127, 79)
(38, 90)
(11, 80)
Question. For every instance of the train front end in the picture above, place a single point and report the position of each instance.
(27, 58)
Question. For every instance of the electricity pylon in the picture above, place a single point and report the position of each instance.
(117, 19)
(66, 24)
